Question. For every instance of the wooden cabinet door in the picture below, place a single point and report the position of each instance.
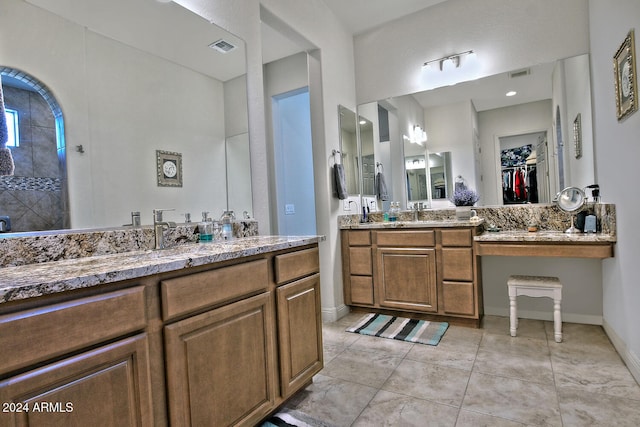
(220, 365)
(406, 278)
(300, 333)
(107, 386)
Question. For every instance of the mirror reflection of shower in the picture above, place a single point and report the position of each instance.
(37, 188)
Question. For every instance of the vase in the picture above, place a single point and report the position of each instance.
(463, 213)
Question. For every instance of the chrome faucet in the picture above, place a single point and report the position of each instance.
(417, 207)
(159, 225)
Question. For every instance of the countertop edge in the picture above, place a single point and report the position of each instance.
(34, 280)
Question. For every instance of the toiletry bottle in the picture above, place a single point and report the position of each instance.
(227, 225)
(205, 228)
(393, 212)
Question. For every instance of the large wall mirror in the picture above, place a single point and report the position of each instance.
(132, 78)
(475, 128)
(349, 149)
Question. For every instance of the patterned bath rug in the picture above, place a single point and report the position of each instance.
(292, 418)
(400, 328)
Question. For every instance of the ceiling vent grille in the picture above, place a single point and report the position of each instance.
(520, 73)
(222, 46)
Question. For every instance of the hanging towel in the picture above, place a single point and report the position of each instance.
(6, 160)
(381, 187)
(340, 181)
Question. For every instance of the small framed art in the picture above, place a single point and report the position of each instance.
(624, 67)
(577, 136)
(169, 168)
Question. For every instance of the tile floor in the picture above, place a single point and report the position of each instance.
(474, 377)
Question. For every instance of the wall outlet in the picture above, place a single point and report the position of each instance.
(289, 209)
(346, 206)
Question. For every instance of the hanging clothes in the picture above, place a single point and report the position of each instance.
(520, 186)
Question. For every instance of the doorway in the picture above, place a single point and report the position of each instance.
(523, 168)
(295, 189)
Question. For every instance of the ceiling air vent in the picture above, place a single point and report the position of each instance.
(222, 46)
(520, 73)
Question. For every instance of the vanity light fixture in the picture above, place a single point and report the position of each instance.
(418, 135)
(453, 59)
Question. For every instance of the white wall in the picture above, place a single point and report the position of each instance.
(617, 152)
(119, 121)
(493, 124)
(581, 287)
(389, 58)
(449, 128)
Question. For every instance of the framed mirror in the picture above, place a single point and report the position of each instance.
(468, 119)
(367, 156)
(127, 87)
(349, 149)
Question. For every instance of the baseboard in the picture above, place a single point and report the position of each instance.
(587, 319)
(332, 314)
(631, 360)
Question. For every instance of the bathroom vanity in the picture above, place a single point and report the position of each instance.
(424, 269)
(202, 334)
(428, 266)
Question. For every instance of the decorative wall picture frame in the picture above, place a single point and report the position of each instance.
(577, 136)
(169, 168)
(624, 67)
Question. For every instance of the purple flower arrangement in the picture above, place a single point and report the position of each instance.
(464, 197)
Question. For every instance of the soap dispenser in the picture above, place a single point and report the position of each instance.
(227, 225)
(592, 219)
(205, 228)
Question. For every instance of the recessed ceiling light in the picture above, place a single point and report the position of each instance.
(511, 93)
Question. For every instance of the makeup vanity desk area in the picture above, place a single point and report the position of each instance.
(544, 243)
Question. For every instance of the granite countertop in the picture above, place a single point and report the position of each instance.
(441, 223)
(33, 280)
(544, 236)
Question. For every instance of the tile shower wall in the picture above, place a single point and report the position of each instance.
(33, 197)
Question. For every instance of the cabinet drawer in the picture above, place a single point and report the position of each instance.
(297, 264)
(406, 238)
(458, 298)
(362, 290)
(457, 264)
(109, 386)
(35, 335)
(360, 261)
(359, 238)
(456, 237)
(199, 290)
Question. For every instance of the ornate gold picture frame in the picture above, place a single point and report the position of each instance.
(169, 168)
(624, 67)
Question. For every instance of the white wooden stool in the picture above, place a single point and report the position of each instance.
(535, 286)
